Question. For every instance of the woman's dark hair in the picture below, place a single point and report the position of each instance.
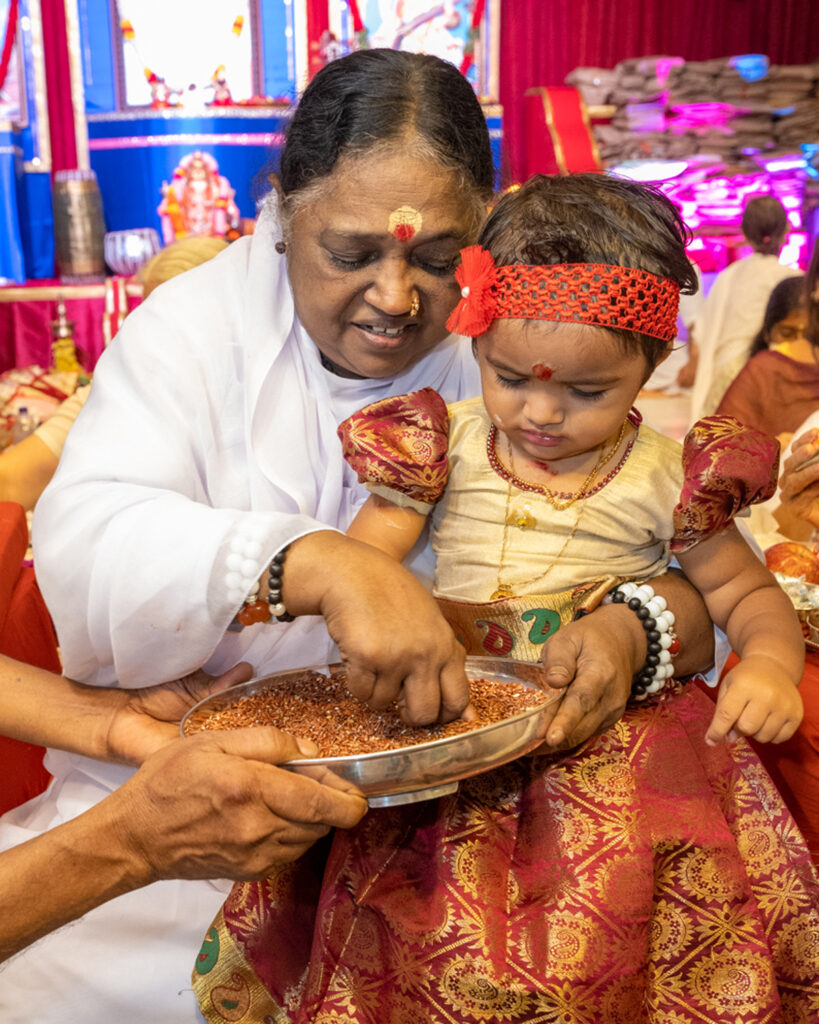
(375, 96)
(787, 296)
(765, 224)
(593, 218)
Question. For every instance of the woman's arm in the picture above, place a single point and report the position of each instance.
(210, 806)
(597, 656)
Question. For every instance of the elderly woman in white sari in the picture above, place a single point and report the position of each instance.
(207, 454)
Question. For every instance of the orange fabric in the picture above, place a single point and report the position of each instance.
(794, 765)
(559, 136)
(26, 634)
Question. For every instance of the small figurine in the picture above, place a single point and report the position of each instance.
(330, 48)
(221, 92)
(161, 93)
(63, 350)
(198, 201)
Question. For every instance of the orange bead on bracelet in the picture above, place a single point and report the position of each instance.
(258, 611)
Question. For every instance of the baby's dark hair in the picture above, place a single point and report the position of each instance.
(765, 224)
(787, 296)
(593, 218)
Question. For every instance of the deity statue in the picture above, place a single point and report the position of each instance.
(162, 95)
(221, 92)
(198, 201)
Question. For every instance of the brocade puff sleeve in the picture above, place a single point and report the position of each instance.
(727, 468)
(398, 448)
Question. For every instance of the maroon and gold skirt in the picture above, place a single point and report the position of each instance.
(645, 877)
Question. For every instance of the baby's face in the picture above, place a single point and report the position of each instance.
(556, 390)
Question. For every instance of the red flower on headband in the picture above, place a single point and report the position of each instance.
(478, 278)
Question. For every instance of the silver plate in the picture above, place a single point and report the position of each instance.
(426, 770)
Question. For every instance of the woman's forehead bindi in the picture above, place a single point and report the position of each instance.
(404, 223)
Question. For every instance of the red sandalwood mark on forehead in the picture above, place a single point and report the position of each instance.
(404, 223)
(541, 371)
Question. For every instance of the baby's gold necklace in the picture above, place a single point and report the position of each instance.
(585, 487)
(506, 590)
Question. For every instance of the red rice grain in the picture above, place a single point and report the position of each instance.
(321, 708)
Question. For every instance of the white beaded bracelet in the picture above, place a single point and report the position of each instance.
(662, 643)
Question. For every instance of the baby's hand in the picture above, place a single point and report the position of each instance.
(756, 699)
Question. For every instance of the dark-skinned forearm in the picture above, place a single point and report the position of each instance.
(62, 874)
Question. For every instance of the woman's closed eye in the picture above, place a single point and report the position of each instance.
(350, 261)
(440, 268)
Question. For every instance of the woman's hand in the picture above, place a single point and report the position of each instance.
(596, 657)
(393, 640)
(799, 488)
(148, 718)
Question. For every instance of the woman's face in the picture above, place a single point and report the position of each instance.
(372, 257)
(793, 328)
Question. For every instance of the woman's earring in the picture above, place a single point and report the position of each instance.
(280, 248)
(415, 308)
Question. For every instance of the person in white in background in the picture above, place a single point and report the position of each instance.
(735, 305)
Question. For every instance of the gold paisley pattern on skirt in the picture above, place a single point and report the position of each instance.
(575, 827)
(470, 985)
(368, 940)
(475, 870)
(732, 980)
(706, 875)
(756, 844)
(623, 1003)
(799, 944)
(670, 931)
(607, 774)
(572, 950)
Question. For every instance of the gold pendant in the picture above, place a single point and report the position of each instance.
(501, 593)
(523, 518)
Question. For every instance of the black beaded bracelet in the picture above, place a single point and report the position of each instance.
(274, 587)
(652, 676)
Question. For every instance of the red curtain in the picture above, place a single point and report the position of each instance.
(58, 87)
(318, 21)
(543, 40)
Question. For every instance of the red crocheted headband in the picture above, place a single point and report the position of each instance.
(588, 293)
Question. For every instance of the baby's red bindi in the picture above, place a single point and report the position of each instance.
(541, 371)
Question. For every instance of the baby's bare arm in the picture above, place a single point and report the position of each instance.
(758, 698)
(390, 528)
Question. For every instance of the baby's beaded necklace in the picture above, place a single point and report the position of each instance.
(586, 490)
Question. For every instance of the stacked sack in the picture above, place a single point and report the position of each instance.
(668, 108)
